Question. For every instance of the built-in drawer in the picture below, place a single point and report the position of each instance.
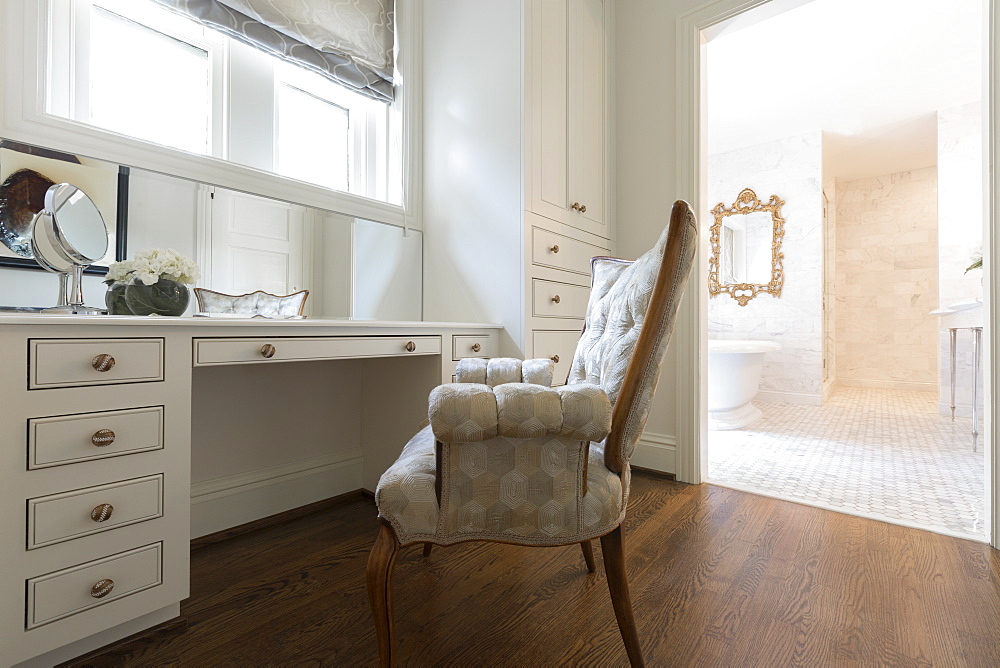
(559, 346)
(59, 517)
(271, 350)
(554, 250)
(551, 299)
(76, 362)
(467, 345)
(74, 590)
(66, 439)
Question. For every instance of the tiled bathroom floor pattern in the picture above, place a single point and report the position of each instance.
(884, 454)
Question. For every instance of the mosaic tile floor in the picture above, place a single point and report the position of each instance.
(884, 454)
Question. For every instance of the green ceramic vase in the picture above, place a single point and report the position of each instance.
(114, 299)
(165, 297)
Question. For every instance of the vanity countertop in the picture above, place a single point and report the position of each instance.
(164, 321)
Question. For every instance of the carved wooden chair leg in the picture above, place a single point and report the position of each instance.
(379, 575)
(614, 567)
(427, 549)
(588, 555)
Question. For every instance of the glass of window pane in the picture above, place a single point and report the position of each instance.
(313, 139)
(146, 84)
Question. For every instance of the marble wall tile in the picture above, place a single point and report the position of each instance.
(886, 276)
(792, 169)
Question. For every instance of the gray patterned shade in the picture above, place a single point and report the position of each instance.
(347, 41)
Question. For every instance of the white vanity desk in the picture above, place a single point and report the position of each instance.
(96, 457)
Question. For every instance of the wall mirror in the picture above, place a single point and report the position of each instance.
(353, 268)
(746, 248)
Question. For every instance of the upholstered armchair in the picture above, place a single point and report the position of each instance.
(508, 458)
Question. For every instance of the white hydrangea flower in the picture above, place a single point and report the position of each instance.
(119, 272)
(151, 264)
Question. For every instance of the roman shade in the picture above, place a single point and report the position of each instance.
(347, 41)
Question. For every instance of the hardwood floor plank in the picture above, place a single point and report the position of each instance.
(718, 578)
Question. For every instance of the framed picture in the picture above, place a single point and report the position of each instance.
(27, 171)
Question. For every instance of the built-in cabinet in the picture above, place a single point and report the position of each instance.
(568, 199)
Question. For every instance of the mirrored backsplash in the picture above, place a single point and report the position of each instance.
(353, 268)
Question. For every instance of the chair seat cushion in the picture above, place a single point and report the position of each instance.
(406, 499)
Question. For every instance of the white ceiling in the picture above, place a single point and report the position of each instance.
(871, 74)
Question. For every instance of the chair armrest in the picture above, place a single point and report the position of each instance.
(470, 412)
(500, 370)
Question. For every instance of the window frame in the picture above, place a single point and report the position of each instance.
(27, 30)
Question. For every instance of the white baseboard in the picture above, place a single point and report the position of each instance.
(800, 398)
(829, 386)
(222, 503)
(657, 452)
(888, 384)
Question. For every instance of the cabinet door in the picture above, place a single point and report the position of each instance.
(549, 105)
(587, 116)
(567, 109)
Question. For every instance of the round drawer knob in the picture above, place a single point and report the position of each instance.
(583, 208)
(103, 437)
(103, 362)
(102, 588)
(267, 351)
(410, 346)
(554, 249)
(102, 512)
(555, 358)
(556, 300)
(476, 347)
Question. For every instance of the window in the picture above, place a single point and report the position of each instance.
(164, 71)
(140, 70)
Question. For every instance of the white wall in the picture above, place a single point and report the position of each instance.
(472, 157)
(791, 169)
(646, 116)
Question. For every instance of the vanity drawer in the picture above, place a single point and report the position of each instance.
(550, 299)
(243, 351)
(60, 517)
(66, 439)
(554, 250)
(72, 590)
(76, 362)
(559, 346)
(473, 346)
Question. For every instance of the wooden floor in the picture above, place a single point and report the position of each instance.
(718, 577)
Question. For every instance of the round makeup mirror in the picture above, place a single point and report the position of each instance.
(80, 233)
(69, 235)
(45, 253)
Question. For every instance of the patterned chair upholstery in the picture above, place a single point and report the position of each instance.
(508, 458)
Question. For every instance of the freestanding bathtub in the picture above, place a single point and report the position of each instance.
(734, 368)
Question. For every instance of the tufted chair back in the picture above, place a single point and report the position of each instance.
(630, 317)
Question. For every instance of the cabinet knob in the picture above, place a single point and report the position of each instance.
(102, 512)
(555, 358)
(103, 437)
(556, 300)
(576, 206)
(476, 347)
(103, 362)
(410, 346)
(583, 208)
(554, 249)
(267, 351)
(102, 588)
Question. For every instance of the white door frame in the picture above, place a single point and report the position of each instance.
(691, 177)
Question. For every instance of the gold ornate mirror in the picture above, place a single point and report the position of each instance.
(746, 248)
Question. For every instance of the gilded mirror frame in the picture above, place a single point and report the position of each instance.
(747, 202)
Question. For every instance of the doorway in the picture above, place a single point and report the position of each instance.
(693, 56)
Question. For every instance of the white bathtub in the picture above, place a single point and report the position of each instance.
(734, 368)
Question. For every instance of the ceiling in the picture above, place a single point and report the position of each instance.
(869, 74)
